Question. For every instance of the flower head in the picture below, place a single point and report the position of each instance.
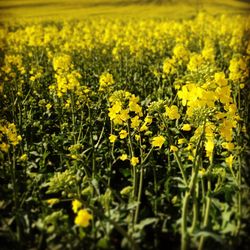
(229, 161)
(76, 204)
(134, 161)
(186, 127)
(172, 112)
(158, 141)
(124, 157)
(52, 201)
(123, 134)
(112, 138)
(83, 218)
(173, 148)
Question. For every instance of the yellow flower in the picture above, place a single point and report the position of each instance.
(76, 204)
(52, 201)
(123, 134)
(124, 157)
(169, 66)
(83, 218)
(242, 85)
(135, 122)
(228, 145)
(4, 147)
(220, 79)
(238, 69)
(48, 106)
(226, 130)
(23, 157)
(181, 53)
(202, 172)
(134, 106)
(173, 148)
(195, 62)
(62, 62)
(181, 140)
(158, 141)
(190, 157)
(229, 161)
(114, 110)
(137, 137)
(172, 112)
(124, 116)
(106, 79)
(148, 119)
(112, 138)
(144, 127)
(134, 161)
(186, 127)
(209, 146)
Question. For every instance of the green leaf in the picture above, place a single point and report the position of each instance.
(103, 243)
(209, 234)
(146, 222)
(126, 191)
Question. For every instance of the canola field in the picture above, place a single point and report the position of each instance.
(125, 133)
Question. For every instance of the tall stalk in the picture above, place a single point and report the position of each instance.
(207, 211)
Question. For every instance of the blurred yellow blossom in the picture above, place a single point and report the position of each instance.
(83, 218)
(76, 204)
(134, 161)
(112, 138)
(158, 141)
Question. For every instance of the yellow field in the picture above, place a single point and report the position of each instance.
(124, 124)
(45, 9)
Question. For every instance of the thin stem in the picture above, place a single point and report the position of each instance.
(181, 168)
(195, 213)
(203, 195)
(155, 190)
(207, 211)
(140, 186)
(73, 117)
(134, 167)
(15, 195)
(239, 198)
(139, 194)
(184, 236)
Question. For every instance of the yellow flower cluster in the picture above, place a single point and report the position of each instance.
(180, 58)
(210, 102)
(66, 77)
(125, 108)
(83, 216)
(106, 80)
(8, 136)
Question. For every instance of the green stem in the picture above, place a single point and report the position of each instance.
(207, 211)
(139, 195)
(155, 190)
(134, 167)
(181, 168)
(195, 213)
(203, 195)
(239, 198)
(140, 186)
(73, 117)
(184, 235)
(15, 194)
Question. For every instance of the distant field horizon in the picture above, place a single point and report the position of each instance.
(65, 9)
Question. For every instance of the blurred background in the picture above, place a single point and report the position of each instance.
(172, 9)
